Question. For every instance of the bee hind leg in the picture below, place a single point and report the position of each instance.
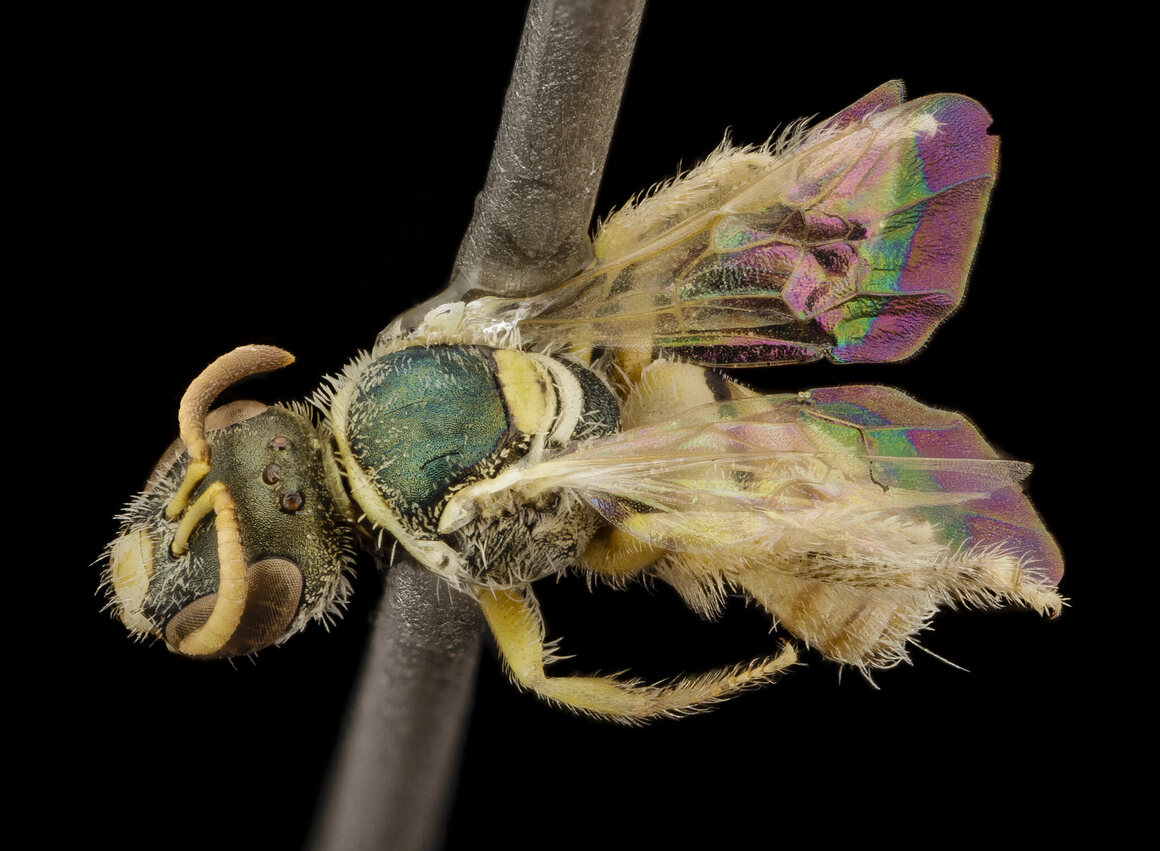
(515, 621)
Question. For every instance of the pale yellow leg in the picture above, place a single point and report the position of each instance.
(515, 621)
(617, 555)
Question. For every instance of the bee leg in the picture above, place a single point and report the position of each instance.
(515, 621)
(617, 555)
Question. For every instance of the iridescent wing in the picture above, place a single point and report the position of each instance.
(851, 514)
(851, 241)
(771, 462)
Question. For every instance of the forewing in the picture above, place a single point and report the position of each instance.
(851, 241)
(723, 474)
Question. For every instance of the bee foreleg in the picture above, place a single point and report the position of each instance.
(518, 628)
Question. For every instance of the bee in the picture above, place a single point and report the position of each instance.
(590, 427)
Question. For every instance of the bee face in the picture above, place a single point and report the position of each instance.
(423, 432)
(165, 575)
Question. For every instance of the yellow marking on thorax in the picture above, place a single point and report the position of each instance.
(525, 389)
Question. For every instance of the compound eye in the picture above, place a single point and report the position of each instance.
(273, 597)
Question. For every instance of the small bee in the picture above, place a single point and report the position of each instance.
(587, 427)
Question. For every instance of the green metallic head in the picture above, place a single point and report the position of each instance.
(241, 536)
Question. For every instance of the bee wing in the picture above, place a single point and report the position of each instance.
(726, 473)
(851, 241)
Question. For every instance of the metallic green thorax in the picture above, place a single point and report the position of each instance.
(437, 419)
(418, 426)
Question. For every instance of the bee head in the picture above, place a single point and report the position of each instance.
(239, 538)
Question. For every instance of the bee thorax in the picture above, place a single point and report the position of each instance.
(437, 440)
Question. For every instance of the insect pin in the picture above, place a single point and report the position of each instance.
(589, 428)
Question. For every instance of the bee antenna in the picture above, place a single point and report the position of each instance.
(230, 368)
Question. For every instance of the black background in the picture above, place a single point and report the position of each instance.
(209, 182)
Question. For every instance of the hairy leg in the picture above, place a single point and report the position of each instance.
(515, 620)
